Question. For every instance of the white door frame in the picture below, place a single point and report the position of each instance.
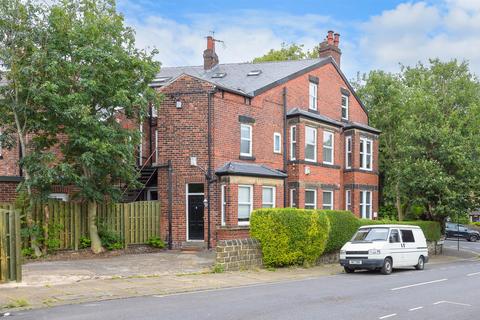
(186, 210)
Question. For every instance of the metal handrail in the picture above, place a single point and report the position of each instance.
(141, 168)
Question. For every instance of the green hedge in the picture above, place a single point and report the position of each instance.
(290, 236)
(343, 225)
(431, 229)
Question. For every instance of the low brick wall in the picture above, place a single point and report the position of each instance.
(230, 233)
(239, 254)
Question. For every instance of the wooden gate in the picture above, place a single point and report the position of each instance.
(10, 244)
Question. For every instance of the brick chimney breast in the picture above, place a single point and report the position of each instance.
(210, 58)
(329, 47)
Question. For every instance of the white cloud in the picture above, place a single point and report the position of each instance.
(416, 32)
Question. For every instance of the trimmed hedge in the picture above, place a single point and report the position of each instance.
(290, 236)
(431, 229)
(343, 225)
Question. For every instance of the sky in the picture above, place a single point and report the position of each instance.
(374, 34)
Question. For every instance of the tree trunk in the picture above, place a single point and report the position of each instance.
(96, 245)
(398, 203)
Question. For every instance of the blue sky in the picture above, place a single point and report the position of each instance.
(375, 34)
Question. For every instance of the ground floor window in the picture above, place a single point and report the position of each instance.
(245, 204)
(327, 202)
(293, 198)
(268, 197)
(366, 204)
(310, 199)
(348, 200)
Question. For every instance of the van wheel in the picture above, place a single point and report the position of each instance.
(421, 263)
(348, 270)
(387, 266)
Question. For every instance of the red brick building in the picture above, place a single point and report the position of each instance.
(243, 136)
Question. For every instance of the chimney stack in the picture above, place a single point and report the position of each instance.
(329, 47)
(210, 58)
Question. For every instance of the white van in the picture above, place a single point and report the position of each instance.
(384, 247)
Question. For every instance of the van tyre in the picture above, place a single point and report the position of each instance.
(473, 239)
(387, 266)
(421, 263)
(348, 269)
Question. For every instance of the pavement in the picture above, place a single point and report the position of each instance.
(322, 292)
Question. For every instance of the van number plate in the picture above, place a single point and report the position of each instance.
(355, 261)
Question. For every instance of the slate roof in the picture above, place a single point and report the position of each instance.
(236, 74)
(248, 169)
(346, 125)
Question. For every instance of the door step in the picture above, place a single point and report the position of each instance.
(193, 246)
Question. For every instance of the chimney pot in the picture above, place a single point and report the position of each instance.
(330, 37)
(336, 39)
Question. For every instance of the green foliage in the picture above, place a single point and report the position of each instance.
(387, 212)
(290, 236)
(84, 243)
(218, 268)
(156, 242)
(288, 52)
(431, 229)
(110, 239)
(53, 241)
(428, 151)
(343, 225)
(476, 223)
(28, 253)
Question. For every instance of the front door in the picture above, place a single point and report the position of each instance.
(195, 217)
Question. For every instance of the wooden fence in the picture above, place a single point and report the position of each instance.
(10, 244)
(134, 222)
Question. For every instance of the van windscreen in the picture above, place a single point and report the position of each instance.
(371, 234)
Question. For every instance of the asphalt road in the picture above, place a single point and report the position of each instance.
(442, 291)
(473, 247)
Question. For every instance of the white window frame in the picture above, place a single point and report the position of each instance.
(245, 223)
(249, 139)
(314, 144)
(273, 197)
(313, 96)
(325, 133)
(332, 195)
(348, 152)
(366, 207)
(60, 196)
(346, 107)
(140, 148)
(314, 198)
(223, 204)
(293, 203)
(293, 142)
(364, 154)
(279, 136)
(348, 200)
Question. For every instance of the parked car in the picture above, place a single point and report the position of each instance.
(453, 230)
(384, 247)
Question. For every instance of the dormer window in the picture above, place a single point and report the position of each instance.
(254, 73)
(219, 75)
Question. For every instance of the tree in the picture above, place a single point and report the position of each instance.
(95, 75)
(429, 150)
(288, 52)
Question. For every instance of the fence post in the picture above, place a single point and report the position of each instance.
(76, 216)
(18, 247)
(11, 243)
(126, 224)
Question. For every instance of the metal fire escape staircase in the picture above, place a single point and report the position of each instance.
(145, 174)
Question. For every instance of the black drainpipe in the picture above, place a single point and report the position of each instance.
(209, 170)
(170, 202)
(150, 125)
(285, 145)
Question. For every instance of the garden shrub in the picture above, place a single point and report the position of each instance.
(156, 242)
(290, 236)
(343, 225)
(110, 239)
(85, 243)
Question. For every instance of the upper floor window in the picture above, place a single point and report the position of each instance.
(277, 142)
(310, 199)
(293, 142)
(246, 140)
(348, 152)
(344, 107)
(310, 144)
(366, 153)
(313, 95)
(327, 200)
(328, 147)
(268, 197)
